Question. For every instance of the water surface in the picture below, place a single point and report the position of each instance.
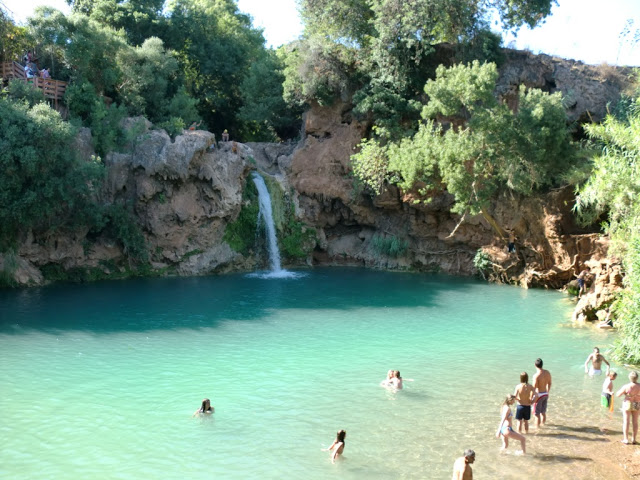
(100, 380)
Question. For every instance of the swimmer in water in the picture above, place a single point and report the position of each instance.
(205, 408)
(337, 447)
(388, 382)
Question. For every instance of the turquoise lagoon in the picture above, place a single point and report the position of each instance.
(101, 380)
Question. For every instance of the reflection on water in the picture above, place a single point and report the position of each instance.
(105, 377)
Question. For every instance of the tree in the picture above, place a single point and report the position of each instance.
(487, 148)
(614, 187)
(215, 47)
(43, 185)
(14, 40)
(139, 19)
(264, 112)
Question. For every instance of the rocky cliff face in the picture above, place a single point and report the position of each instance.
(184, 193)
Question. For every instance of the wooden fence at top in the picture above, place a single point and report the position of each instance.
(52, 89)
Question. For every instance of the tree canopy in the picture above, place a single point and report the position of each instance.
(614, 189)
(485, 149)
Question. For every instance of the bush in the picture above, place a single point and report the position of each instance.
(483, 262)
(241, 234)
(390, 246)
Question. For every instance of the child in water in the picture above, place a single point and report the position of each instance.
(337, 447)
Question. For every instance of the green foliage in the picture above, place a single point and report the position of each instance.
(461, 90)
(146, 71)
(106, 126)
(316, 70)
(241, 234)
(390, 246)
(495, 149)
(10, 265)
(370, 165)
(297, 239)
(215, 46)
(19, 90)
(265, 114)
(14, 40)
(120, 223)
(614, 188)
(174, 126)
(43, 185)
(387, 44)
(482, 261)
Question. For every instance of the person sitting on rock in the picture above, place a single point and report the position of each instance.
(225, 136)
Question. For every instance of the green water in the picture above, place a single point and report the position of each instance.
(100, 380)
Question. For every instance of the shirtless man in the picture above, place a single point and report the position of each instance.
(542, 384)
(462, 466)
(596, 360)
(525, 394)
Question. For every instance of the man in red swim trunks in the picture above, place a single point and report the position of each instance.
(542, 384)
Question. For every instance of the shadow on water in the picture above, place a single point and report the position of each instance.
(561, 458)
(204, 302)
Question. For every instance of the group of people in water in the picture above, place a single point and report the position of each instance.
(630, 391)
(531, 398)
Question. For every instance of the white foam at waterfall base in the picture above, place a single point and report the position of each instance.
(277, 274)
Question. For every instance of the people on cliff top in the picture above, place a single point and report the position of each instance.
(225, 136)
(596, 359)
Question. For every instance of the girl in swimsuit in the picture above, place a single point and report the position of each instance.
(504, 428)
(337, 447)
(630, 407)
(205, 407)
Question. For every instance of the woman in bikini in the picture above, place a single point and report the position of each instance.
(630, 407)
(204, 408)
(504, 429)
(337, 447)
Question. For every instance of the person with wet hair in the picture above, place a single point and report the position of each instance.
(205, 408)
(462, 466)
(337, 447)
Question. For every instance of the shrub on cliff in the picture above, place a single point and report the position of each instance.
(614, 188)
(43, 184)
(487, 147)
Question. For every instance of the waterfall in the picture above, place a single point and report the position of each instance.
(266, 214)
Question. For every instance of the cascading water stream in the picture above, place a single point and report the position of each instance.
(266, 214)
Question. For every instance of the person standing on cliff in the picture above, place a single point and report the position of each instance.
(225, 136)
(462, 466)
(542, 384)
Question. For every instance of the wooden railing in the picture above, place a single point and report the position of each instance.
(52, 89)
(12, 70)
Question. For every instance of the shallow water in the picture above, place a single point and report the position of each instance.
(100, 380)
